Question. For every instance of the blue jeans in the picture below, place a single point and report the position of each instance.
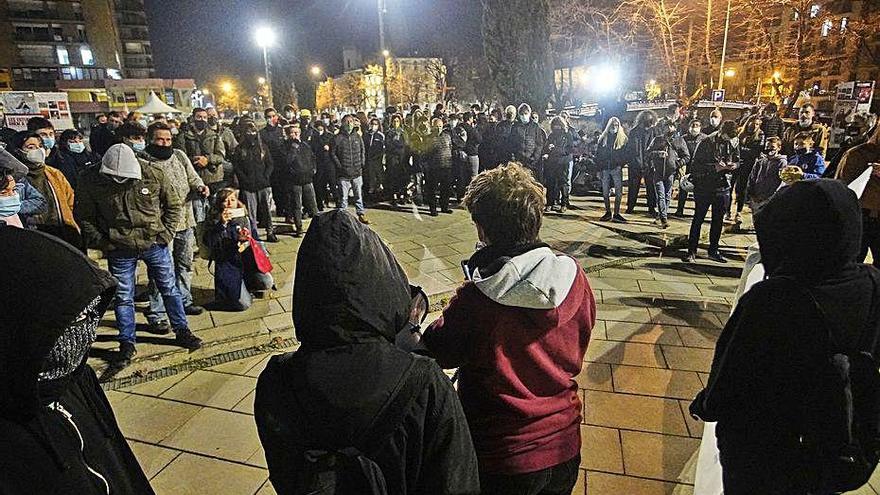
(356, 185)
(182, 253)
(160, 269)
(609, 177)
(663, 191)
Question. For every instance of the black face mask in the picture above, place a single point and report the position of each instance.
(200, 125)
(159, 152)
(212, 121)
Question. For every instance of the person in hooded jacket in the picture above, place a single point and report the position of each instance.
(325, 183)
(517, 330)
(639, 138)
(348, 156)
(21, 199)
(351, 299)
(764, 179)
(762, 386)
(374, 156)
(300, 164)
(692, 136)
(59, 432)
(396, 164)
(254, 167)
(751, 145)
(527, 141)
(557, 154)
(667, 153)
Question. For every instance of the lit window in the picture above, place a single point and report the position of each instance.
(63, 56)
(843, 24)
(86, 54)
(814, 11)
(827, 26)
(795, 15)
(114, 73)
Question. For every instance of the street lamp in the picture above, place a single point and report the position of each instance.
(265, 38)
(316, 71)
(226, 86)
(729, 73)
(385, 55)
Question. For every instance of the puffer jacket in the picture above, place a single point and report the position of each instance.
(526, 142)
(474, 139)
(253, 164)
(208, 144)
(183, 179)
(348, 154)
(711, 151)
(440, 154)
(133, 215)
(299, 162)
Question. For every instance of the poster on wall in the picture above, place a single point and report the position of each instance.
(19, 106)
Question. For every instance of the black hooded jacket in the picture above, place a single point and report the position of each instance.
(351, 297)
(767, 358)
(42, 293)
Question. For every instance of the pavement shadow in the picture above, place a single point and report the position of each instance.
(717, 271)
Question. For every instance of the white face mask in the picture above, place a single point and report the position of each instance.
(36, 156)
(694, 131)
(524, 118)
(805, 121)
(174, 131)
(714, 121)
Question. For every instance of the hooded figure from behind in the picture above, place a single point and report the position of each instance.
(348, 385)
(59, 432)
(762, 388)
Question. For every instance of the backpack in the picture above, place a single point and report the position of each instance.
(841, 433)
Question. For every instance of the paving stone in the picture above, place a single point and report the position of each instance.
(152, 458)
(156, 387)
(667, 287)
(614, 312)
(703, 319)
(664, 457)
(150, 420)
(217, 433)
(197, 475)
(624, 284)
(648, 333)
(208, 388)
(580, 486)
(259, 309)
(656, 382)
(688, 358)
(424, 253)
(632, 353)
(246, 405)
(595, 376)
(239, 366)
(278, 322)
(630, 272)
(615, 484)
(600, 449)
(259, 367)
(115, 398)
(695, 426)
(633, 412)
(699, 337)
(258, 459)
(637, 299)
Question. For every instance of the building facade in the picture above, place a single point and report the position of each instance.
(89, 98)
(44, 41)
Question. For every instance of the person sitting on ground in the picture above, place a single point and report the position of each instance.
(227, 236)
(73, 156)
(765, 387)
(610, 157)
(20, 199)
(806, 158)
(59, 432)
(518, 331)
(765, 179)
(313, 408)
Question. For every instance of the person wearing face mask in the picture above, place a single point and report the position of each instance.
(714, 161)
(255, 169)
(133, 135)
(104, 135)
(58, 218)
(771, 123)
(459, 155)
(73, 156)
(806, 123)
(374, 149)
(751, 144)
(10, 200)
(611, 156)
(46, 130)
(207, 153)
(764, 179)
(438, 167)
(328, 123)
(395, 161)
(504, 133)
(487, 127)
(348, 156)
(417, 143)
(806, 157)
(29, 201)
(289, 114)
(715, 118)
(639, 138)
(272, 136)
(668, 154)
(557, 154)
(225, 133)
(307, 128)
(59, 431)
(692, 138)
(527, 141)
(325, 183)
(299, 162)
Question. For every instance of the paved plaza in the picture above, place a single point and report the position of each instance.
(658, 319)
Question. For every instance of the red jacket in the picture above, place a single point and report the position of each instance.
(519, 337)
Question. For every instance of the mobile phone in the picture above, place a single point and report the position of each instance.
(237, 212)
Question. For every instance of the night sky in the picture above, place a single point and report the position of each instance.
(210, 39)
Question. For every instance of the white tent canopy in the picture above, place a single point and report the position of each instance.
(155, 105)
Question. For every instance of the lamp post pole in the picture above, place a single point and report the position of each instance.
(383, 50)
(268, 75)
(724, 49)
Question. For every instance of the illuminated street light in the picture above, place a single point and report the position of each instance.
(729, 73)
(386, 53)
(261, 80)
(777, 74)
(226, 86)
(265, 37)
(316, 71)
(607, 78)
(206, 92)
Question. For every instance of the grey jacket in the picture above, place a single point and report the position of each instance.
(208, 144)
(183, 179)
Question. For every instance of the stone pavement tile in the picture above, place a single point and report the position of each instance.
(616, 312)
(201, 321)
(239, 366)
(258, 459)
(626, 272)
(595, 376)
(208, 388)
(664, 457)
(150, 420)
(152, 458)
(267, 489)
(633, 412)
(424, 253)
(260, 308)
(656, 382)
(667, 287)
(580, 486)
(699, 337)
(234, 330)
(624, 284)
(675, 273)
(874, 482)
(704, 377)
(197, 475)
(632, 353)
(636, 299)
(600, 449)
(717, 290)
(246, 405)
(598, 331)
(430, 284)
(278, 322)
(217, 433)
(115, 398)
(648, 333)
(615, 484)
(286, 303)
(686, 318)
(865, 490)
(688, 358)
(463, 247)
(403, 246)
(157, 387)
(697, 303)
(259, 367)
(695, 426)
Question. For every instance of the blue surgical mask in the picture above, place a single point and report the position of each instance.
(524, 118)
(48, 143)
(138, 146)
(77, 147)
(10, 205)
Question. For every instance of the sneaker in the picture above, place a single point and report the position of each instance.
(556, 208)
(677, 214)
(433, 212)
(738, 218)
(618, 218)
(664, 224)
(186, 339)
(606, 217)
(159, 327)
(271, 237)
(363, 219)
(656, 221)
(127, 352)
(630, 211)
(548, 209)
(193, 310)
(689, 258)
(297, 234)
(446, 210)
(716, 257)
(562, 209)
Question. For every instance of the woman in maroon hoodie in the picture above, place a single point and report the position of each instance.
(518, 331)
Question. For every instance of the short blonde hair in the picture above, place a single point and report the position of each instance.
(507, 203)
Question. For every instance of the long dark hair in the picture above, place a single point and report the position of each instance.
(219, 203)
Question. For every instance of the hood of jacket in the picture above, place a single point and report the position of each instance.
(7, 160)
(349, 287)
(42, 294)
(810, 230)
(120, 161)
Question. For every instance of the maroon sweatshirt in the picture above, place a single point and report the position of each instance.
(519, 337)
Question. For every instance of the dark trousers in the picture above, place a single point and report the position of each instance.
(556, 480)
(326, 185)
(373, 174)
(438, 179)
(682, 199)
(717, 201)
(870, 237)
(741, 176)
(636, 174)
(555, 183)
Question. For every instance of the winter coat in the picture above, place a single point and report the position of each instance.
(58, 219)
(228, 138)
(526, 142)
(773, 127)
(374, 146)
(504, 138)
(490, 145)
(677, 155)
(59, 435)
(818, 131)
(299, 162)
(208, 144)
(440, 154)
(273, 138)
(253, 164)
(518, 333)
(133, 215)
(348, 154)
(764, 179)
(607, 157)
(231, 266)
(101, 138)
(323, 158)
(73, 164)
(762, 385)
(351, 299)
(853, 164)
(811, 163)
(560, 155)
(32, 202)
(474, 138)
(711, 151)
(638, 141)
(692, 142)
(395, 142)
(459, 142)
(750, 148)
(183, 179)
